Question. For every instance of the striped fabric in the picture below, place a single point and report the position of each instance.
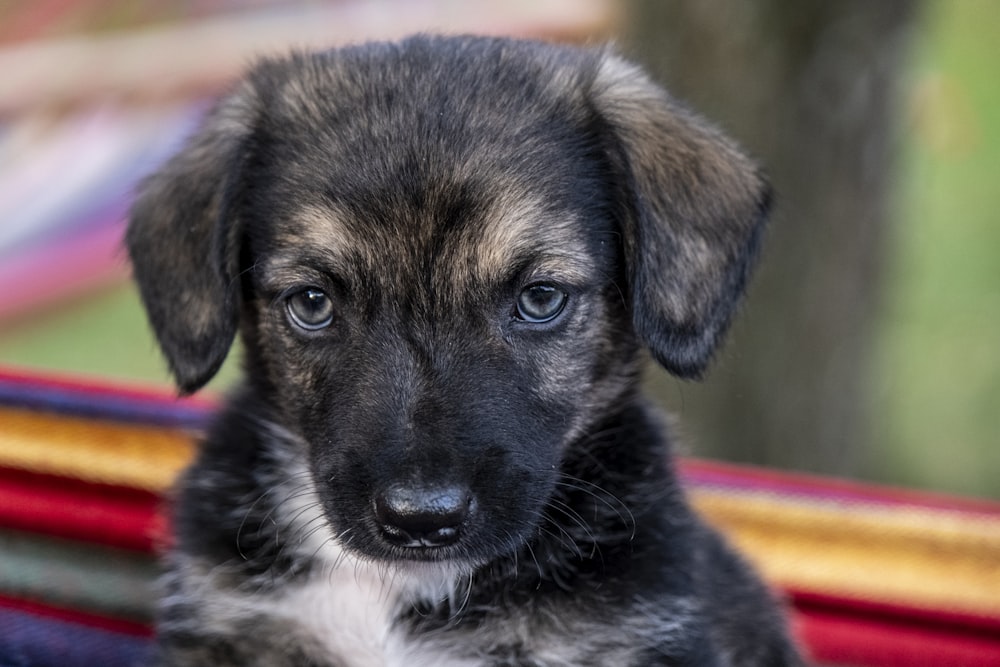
(874, 576)
(62, 237)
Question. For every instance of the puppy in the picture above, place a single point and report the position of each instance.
(445, 259)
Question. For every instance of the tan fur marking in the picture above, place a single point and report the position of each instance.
(521, 227)
(317, 232)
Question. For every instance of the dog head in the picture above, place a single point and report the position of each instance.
(444, 257)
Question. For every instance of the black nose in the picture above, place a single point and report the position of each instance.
(422, 517)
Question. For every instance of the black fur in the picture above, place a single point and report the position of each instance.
(427, 476)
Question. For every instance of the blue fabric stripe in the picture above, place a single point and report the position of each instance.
(27, 640)
(160, 412)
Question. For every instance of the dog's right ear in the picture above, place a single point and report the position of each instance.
(182, 238)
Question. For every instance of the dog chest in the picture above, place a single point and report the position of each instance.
(350, 611)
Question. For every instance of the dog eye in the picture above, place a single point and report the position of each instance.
(310, 309)
(540, 303)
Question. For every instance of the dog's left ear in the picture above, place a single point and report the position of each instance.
(182, 239)
(696, 208)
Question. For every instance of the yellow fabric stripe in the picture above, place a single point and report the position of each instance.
(136, 456)
(935, 559)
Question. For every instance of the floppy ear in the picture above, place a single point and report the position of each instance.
(182, 240)
(696, 212)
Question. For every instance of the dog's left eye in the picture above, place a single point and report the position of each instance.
(310, 309)
(540, 303)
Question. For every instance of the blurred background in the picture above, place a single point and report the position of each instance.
(870, 346)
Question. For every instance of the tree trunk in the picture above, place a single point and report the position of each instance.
(810, 88)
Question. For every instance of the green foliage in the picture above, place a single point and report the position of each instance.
(102, 336)
(938, 409)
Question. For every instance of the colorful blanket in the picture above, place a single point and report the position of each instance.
(874, 576)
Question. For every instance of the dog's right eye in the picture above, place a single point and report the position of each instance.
(310, 309)
(541, 303)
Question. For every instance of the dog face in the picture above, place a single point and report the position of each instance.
(444, 258)
(451, 324)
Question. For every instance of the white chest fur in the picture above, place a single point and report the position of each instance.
(350, 611)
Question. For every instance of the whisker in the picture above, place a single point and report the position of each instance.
(538, 566)
(574, 516)
(600, 494)
(565, 539)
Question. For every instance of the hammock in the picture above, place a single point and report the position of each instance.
(873, 576)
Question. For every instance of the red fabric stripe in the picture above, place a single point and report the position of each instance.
(964, 622)
(890, 612)
(123, 518)
(842, 639)
(88, 619)
(699, 471)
